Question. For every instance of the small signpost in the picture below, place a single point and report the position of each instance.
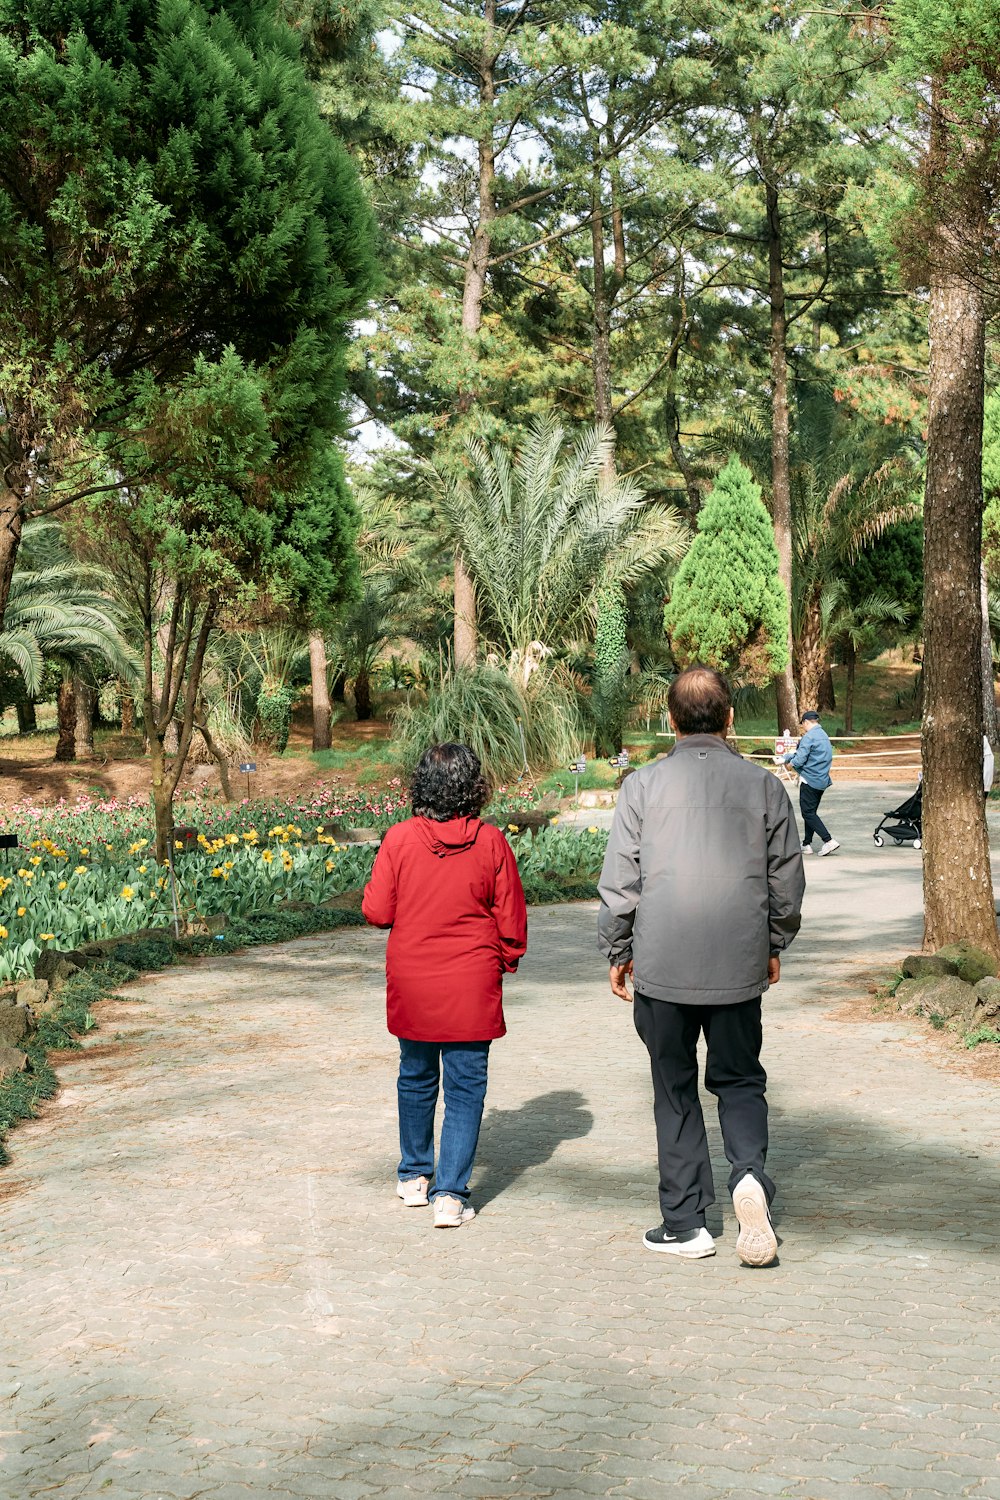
(248, 767)
(578, 768)
(8, 841)
(620, 763)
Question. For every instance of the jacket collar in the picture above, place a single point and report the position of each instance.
(704, 742)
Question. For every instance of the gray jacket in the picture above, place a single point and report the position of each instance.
(703, 877)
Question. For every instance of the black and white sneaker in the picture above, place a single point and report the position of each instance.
(691, 1244)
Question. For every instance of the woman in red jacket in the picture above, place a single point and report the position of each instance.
(448, 887)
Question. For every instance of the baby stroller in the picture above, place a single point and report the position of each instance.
(904, 824)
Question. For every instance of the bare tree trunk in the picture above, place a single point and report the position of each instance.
(991, 726)
(215, 751)
(86, 698)
(473, 292)
(127, 705)
(810, 655)
(320, 691)
(66, 711)
(27, 721)
(852, 663)
(11, 521)
(827, 693)
(958, 884)
(781, 482)
(363, 695)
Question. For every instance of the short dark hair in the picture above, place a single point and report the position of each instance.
(448, 783)
(699, 701)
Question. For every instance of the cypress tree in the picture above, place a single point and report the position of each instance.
(727, 607)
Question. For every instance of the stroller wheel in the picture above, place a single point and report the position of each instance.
(898, 843)
(917, 844)
(879, 840)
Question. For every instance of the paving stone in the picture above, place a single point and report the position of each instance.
(218, 1295)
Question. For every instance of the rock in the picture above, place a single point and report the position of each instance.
(12, 1060)
(908, 996)
(987, 1005)
(201, 774)
(33, 993)
(970, 963)
(15, 1023)
(55, 966)
(944, 995)
(923, 965)
(346, 901)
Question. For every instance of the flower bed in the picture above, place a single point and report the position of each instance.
(91, 873)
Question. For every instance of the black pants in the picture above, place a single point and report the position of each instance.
(733, 1074)
(809, 801)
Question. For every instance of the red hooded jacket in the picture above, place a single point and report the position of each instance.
(452, 895)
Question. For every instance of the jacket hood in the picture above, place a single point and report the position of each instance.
(450, 837)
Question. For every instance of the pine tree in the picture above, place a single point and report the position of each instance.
(170, 198)
(727, 606)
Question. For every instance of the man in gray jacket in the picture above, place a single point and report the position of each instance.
(701, 892)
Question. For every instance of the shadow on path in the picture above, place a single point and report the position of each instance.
(513, 1140)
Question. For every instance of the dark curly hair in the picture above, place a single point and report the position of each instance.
(448, 783)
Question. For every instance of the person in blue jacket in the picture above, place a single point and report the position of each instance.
(812, 761)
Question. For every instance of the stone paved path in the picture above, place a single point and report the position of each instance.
(209, 1289)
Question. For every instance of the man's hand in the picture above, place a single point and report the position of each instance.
(773, 969)
(619, 974)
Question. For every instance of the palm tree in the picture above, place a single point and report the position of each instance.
(851, 479)
(857, 628)
(57, 612)
(544, 532)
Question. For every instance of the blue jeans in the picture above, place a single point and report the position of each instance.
(464, 1067)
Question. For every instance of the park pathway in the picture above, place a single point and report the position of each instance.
(209, 1289)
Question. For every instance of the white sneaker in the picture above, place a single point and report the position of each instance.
(757, 1244)
(451, 1213)
(829, 846)
(413, 1191)
(807, 848)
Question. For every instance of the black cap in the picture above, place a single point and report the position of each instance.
(812, 714)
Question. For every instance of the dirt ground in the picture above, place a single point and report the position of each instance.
(28, 771)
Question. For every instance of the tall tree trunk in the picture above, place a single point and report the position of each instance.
(810, 653)
(66, 711)
(127, 705)
(991, 726)
(958, 884)
(86, 698)
(600, 336)
(477, 263)
(320, 691)
(363, 695)
(781, 480)
(852, 664)
(27, 721)
(827, 693)
(11, 521)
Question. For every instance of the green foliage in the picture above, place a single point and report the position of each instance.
(991, 487)
(727, 605)
(274, 715)
(892, 565)
(542, 533)
(56, 609)
(185, 248)
(487, 710)
(611, 665)
(981, 1034)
